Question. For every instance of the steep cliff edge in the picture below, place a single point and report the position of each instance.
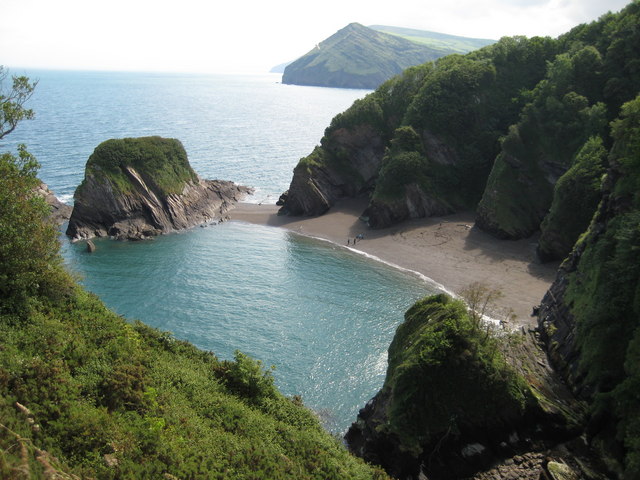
(458, 107)
(590, 318)
(140, 187)
(459, 398)
(60, 212)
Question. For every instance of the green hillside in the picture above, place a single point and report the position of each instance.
(357, 57)
(442, 42)
(84, 393)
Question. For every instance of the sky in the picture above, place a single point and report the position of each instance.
(247, 36)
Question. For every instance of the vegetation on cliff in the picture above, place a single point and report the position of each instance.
(162, 162)
(497, 129)
(86, 394)
(136, 188)
(442, 42)
(598, 295)
(460, 394)
(464, 380)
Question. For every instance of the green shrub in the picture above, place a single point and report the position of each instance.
(447, 374)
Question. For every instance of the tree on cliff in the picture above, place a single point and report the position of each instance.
(29, 259)
(12, 110)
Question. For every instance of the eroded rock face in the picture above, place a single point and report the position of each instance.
(444, 415)
(100, 212)
(414, 204)
(317, 185)
(140, 187)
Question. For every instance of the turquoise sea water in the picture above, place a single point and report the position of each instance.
(323, 315)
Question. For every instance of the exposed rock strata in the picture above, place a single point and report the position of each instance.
(124, 202)
(98, 212)
(513, 445)
(415, 203)
(317, 185)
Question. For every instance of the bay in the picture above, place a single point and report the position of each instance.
(321, 314)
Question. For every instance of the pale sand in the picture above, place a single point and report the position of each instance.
(449, 250)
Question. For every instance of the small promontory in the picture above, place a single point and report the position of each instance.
(136, 188)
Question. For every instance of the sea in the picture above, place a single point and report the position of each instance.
(321, 314)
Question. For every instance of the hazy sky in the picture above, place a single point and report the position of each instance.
(247, 35)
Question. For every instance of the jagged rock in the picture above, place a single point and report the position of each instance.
(414, 204)
(282, 199)
(60, 212)
(317, 184)
(91, 247)
(450, 435)
(124, 193)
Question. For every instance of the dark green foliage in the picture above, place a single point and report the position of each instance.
(598, 70)
(29, 262)
(447, 375)
(604, 294)
(576, 196)
(540, 148)
(12, 109)
(404, 163)
(162, 162)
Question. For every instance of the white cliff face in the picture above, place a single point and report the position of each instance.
(101, 210)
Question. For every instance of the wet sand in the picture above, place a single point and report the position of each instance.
(449, 250)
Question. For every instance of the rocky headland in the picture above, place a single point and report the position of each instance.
(136, 188)
(357, 57)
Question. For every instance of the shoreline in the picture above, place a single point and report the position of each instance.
(449, 252)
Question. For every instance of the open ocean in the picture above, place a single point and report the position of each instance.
(322, 315)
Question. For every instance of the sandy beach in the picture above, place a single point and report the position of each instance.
(449, 250)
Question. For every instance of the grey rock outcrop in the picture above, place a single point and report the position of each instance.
(100, 212)
(141, 187)
(60, 212)
(317, 185)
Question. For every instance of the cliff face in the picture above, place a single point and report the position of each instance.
(457, 111)
(136, 188)
(320, 179)
(507, 131)
(590, 318)
(456, 400)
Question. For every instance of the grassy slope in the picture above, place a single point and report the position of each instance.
(163, 161)
(84, 392)
(443, 42)
(103, 390)
(357, 51)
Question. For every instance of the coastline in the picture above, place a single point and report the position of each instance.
(448, 250)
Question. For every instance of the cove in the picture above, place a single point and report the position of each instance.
(322, 315)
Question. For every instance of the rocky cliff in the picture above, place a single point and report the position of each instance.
(140, 187)
(457, 109)
(461, 402)
(590, 318)
(458, 400)
(509, 131)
